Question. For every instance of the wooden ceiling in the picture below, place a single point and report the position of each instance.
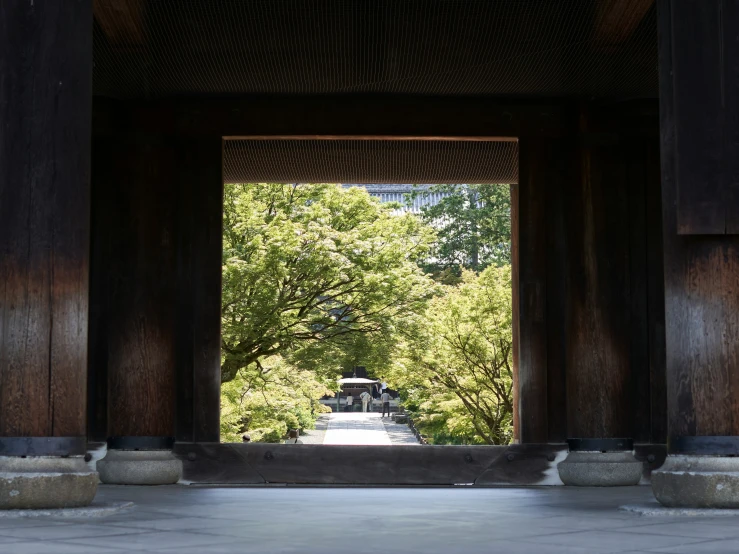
(552, 48)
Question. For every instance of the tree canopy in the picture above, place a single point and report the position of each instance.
(318, 279)
(473, 225)
(456, 376)
(314, 266)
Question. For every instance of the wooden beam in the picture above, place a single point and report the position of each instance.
(358, 115)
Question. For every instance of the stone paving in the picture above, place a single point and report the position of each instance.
(366, 428)
(547, 520)
(315, 436)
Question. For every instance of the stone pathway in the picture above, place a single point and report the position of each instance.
(399, 433)
(315, 436)
(360, 428)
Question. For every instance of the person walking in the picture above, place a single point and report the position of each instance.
(385, 399)
(349, 402)
(366, 399)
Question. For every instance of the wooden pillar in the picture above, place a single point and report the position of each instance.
(543, 166)
(45, 110)
(699, 66)
(142, 288)
(591, 362)
(199, 260)
(599, 292)
(515, 309)
(608, 326)
(134, 278)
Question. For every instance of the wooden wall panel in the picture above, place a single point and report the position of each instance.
(558, 201)
(703, 50)
(598, 364)
(534, 163)
(199, 261)
(142, 288)
(45, 107)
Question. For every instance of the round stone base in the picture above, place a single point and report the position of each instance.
(600, 469)
(697, 482)
(45, 482)
(139, 467)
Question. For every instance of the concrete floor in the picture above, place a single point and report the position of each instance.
(554, 520)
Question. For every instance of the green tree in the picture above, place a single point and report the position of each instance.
(473, 224)
(308, 269)
(266, 401)
(456, 375)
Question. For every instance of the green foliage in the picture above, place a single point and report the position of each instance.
(268, 400)
(473, 224)
(308, 269)
(455, 376)
(316, 279)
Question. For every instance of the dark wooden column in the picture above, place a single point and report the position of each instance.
(136, 200)
(700, 164)
(156, 282)
(699, 66)
(541, 403)
(45, 111)
(587, 243)
(515, 308)
(613, 293)
(599, 294)
(199, 201)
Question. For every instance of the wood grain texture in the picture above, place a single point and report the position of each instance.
(532, 341)
(701, 283)
(515, 308)
(598, 296)
(369, 465)
(142, 288)
(230, 463)
(700, 41)
(698, 80)
(558, 201)
(614, 327)
(45, 107)
(200, 237)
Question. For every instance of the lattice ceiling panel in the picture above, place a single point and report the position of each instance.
(155, 48)
(370, 161)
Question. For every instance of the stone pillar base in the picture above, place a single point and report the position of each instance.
(600, 469)
(139, 467)
(45, 482)
(693, 481)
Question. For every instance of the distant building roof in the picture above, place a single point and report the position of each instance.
(357, 381)
(397, 193)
